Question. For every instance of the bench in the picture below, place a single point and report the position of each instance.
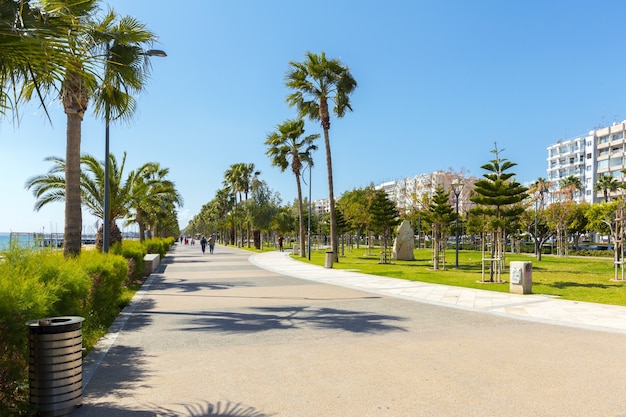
(152, 261)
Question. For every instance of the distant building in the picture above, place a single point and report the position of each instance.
(588, 158)
(410, 193)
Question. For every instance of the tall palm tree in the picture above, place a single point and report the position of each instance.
(317, 80)
(234, 183)
(570, 185)
(285, 145)
(104, 61)
(238, 179)
(248, 175)
(607, 184)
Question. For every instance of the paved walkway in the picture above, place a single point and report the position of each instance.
(235, 335)
(540, 308)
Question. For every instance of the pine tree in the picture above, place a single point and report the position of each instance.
(384, 217)
(499, 204)
(441, 215)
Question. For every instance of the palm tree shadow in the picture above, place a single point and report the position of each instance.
(206, 409)
(186, 285)
(295, 317)
(219, 409)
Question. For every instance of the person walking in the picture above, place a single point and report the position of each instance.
(280, 243)
(211, 243)
(203, 243)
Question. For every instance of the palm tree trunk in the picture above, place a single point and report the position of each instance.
(142, 226)
(331, 197)
(301, 216)
(73, 214)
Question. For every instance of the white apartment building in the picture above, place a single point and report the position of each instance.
(408, 193)
(566, 158)
(601, 152)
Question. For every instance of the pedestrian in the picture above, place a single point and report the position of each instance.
(203, 242)
(211, 243)
(280, 243)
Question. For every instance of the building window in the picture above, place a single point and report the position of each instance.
(618, 136)
(616, 162)
(603, 164)
(588, 156)
(603, 139)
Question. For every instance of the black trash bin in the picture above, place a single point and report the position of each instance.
(55, 365)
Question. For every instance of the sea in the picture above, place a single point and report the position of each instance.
(49, 240)
(52, 240)
(23, 239)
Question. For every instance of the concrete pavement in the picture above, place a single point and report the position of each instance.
(217, 335)
(540, 308)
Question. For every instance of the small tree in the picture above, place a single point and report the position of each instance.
(498, 198)
(535, 223)
(440, 216)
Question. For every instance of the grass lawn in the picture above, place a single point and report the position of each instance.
(573, 278)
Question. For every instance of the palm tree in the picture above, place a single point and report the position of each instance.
(238, 179)
(607, 184)
(52, 187)
(234, 183)
(248, 175)
(34, 52)
(285, 145)
(142, 193)
(316, 81)
(103, 60)
(541, 187)
(151, 196)
(570, 185)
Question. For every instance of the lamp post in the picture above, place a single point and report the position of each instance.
(106, 226)
(456, 189)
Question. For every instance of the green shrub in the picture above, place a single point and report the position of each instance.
(108, 274)
(133, 251)
(39, 284)
(24, 297)
(158, 245)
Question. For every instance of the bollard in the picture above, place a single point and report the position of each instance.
(55, 365)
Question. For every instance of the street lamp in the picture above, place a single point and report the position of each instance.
(456, 189)
(106, 227)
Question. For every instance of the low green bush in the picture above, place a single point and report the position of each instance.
(24, 297)
(38, 284)
(133, 251)
(159, 245)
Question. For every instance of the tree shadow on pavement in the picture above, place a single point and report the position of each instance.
(285, 318)
(186, 285)
(206, 409)
(123, 369)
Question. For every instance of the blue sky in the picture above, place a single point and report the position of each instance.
(438, 83)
